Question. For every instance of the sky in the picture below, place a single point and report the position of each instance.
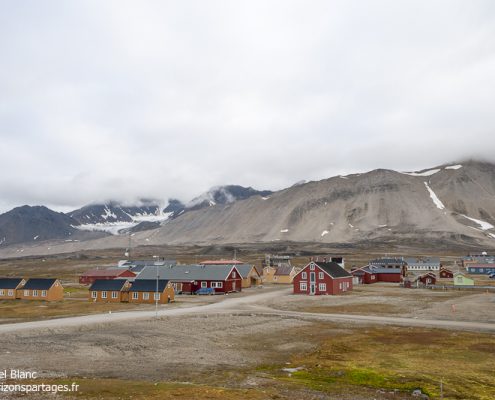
(156, 99)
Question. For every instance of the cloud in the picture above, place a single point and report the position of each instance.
(128, 99)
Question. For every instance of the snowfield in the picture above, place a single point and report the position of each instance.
(115, 227)
(425, 173)
(483, 224)
(434, 197)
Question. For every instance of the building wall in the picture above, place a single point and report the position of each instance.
(167, 293)
(481, 271)
(55, 293)
(463, 281)
(99, 296)
(396, 278)
(268, 273)
(252, 276)
(332, 286)
(446, 274)
(7, 296)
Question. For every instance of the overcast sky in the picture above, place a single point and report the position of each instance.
(125, 99)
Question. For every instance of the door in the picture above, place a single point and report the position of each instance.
(312, 288)
(312, 283)
(233, 286)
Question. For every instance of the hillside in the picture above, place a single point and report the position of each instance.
(443, 203)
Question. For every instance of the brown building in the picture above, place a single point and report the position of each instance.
(145, 291)
(109, 291)
(446, 273)
(427, 279)
(41, 289)
(9, 286)
(281, 274)
(91, 276)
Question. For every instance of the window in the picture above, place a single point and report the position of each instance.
(115, 295)
(93, 294)
(303, 286)
(104, 295)
(304, 275)
(157, 296)
(135, 295)
(2, 293)
(217, 285)
(35, 293)
(146, 296)
(322, 287)
(11, 292)
(43, 293)
(26, 293)
(320, 275)
(234, 275)
(204, 284)
(312, 267)
(340, 285)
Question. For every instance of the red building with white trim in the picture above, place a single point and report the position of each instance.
(322, 278)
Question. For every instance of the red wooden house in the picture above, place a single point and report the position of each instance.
(319, 278)
(427, 279)
(190, 278)
(91, 276)
(364, 275)
(446, 273)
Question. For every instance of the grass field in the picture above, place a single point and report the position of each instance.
(400, 359)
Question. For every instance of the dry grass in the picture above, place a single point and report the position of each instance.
(25, 310)
(401, 358)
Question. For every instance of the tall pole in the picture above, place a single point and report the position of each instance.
(156, 293)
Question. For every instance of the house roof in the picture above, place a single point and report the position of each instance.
(108, 284)
(188, 272)
(245, 269)
(388, 260)
(481, 265)
(333, 269)
(39, 284)
(220, 262)
(148, 285)
(146, 263)
(9, 283)
(104, 272)
(283, 270)
(381, 270)
(412, 261)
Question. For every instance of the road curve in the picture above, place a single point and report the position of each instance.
(242, 306)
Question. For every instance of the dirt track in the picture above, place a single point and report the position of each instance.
(256, 303)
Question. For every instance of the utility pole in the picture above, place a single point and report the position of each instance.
(156, 294)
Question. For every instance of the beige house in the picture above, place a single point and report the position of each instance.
(283, 274)
(249, 274)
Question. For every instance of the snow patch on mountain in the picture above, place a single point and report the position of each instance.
(483, 224)
(434, 197)
(454, 166)
(429, 172)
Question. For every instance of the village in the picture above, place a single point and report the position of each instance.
(159, 281)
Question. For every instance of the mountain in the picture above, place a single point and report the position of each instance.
(220, 195)
(30, 224)
(451, 205)
(114, 212)
(447, 203)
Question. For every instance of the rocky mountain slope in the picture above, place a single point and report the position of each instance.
(114, 212)
(219, 195)
(28, 224)
(450, 202)
(449, 205)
